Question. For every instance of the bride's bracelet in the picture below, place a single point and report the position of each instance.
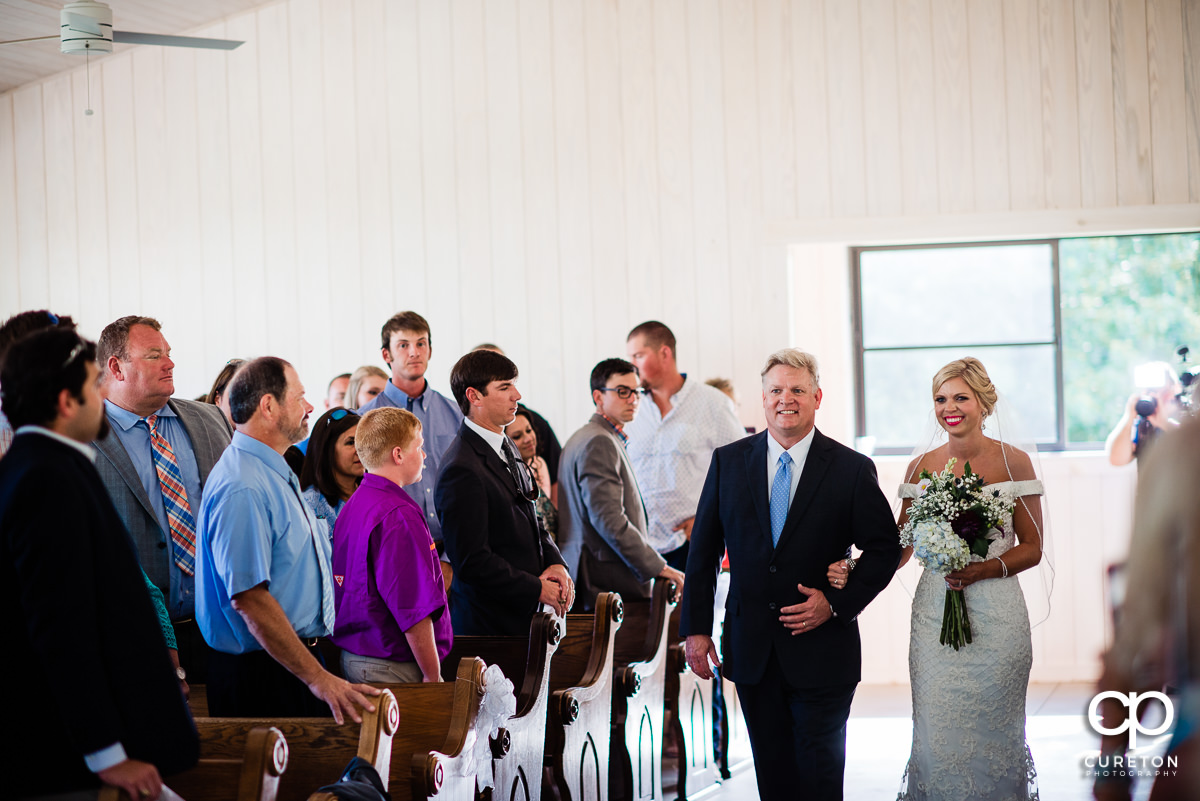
(1003, 567)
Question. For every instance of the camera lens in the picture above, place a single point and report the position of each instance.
(1146, 406)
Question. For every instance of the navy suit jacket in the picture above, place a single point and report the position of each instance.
(837, 503)
(493, 539)
(86, 664)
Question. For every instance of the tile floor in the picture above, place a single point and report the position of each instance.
(880, 735)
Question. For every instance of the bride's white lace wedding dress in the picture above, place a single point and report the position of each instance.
(969, 705)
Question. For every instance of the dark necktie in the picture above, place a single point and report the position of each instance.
(511, 457)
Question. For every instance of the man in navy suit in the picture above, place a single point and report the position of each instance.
(786, 503)
(75, 599)
(505, 564)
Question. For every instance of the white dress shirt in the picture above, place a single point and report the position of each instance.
(799, 454)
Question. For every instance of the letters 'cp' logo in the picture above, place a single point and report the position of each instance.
(1130, 701)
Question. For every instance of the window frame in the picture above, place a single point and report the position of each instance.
(1060, 442)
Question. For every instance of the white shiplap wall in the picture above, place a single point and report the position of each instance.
(547, 173)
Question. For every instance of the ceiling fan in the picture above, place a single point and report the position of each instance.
(86, 27)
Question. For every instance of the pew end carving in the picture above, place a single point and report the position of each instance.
(578, 742)
(639, 673)
(518, 775)
(253, 775)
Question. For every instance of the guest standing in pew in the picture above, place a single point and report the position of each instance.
(264, 585)
(548, 447)
(155, 464)
(787, 502)
(392, 620)
(332, 470)
(217, 395)
(672, 441)
(603, 519)
(70, 587)
(365, 384)
(521, 432)
(505, 564)
(407, 347)
(21, 325)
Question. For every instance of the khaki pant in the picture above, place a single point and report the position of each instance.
(370, 670)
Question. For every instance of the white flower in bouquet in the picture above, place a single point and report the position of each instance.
(936, 546)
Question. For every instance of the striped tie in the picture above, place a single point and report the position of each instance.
(175, 499)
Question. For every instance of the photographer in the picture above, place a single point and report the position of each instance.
(1135, 431)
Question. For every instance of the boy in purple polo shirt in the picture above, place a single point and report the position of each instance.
(392, 621)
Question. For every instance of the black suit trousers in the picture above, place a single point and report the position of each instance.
(798, 736)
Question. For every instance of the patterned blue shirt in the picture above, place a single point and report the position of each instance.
(134, 436)
(321, 508)
(440, 418)
(256, 528)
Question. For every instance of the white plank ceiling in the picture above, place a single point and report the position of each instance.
(30, 61)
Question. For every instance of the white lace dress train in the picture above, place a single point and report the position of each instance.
(969, 705)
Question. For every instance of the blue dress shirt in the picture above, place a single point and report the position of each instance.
(134, 436)
(440, 418)
(254, 528)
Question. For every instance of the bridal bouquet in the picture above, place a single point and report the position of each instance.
(953, 520)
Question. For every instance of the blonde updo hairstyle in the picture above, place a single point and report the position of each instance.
(973, 373)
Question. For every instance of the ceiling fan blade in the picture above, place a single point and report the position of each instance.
(32, 39)
(129, 37)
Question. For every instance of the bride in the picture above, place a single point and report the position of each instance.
(969, 705)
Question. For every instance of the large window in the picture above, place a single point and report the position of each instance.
(1060, 325)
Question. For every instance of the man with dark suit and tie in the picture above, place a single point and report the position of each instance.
(78, 610)
(786, 503)
(505, 564)
(602, 520)
(154, 463)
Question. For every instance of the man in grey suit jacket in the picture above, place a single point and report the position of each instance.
(602, 522)
(138, 383)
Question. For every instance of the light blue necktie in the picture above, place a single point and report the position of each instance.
(781, 489)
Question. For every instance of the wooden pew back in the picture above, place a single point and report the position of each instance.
(689, 714)
(579, 738)
(434, 752)
(519, 774)
(640, 665)
(252, 775)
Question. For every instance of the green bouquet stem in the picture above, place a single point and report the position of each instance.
(956, 626)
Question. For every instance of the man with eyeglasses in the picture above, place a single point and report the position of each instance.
(73, 596)
(602, 523)
(155, 463)
(505, 564)
(672, 440)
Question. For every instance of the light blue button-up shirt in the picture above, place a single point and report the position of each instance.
(440, 418)
(134, 436)
(255, 527)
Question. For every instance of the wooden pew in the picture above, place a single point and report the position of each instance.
(436, 750)
(319, 751)
(689, 715)
(519, 774)
(374, 741)
(581, 679)
(639, 673)
(252, 774)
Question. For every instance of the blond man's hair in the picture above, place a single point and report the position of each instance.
(380, 431)
(796, 359)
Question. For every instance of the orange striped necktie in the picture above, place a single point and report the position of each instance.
(175, 499)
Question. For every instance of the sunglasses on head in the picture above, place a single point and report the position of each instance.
(338, 414)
